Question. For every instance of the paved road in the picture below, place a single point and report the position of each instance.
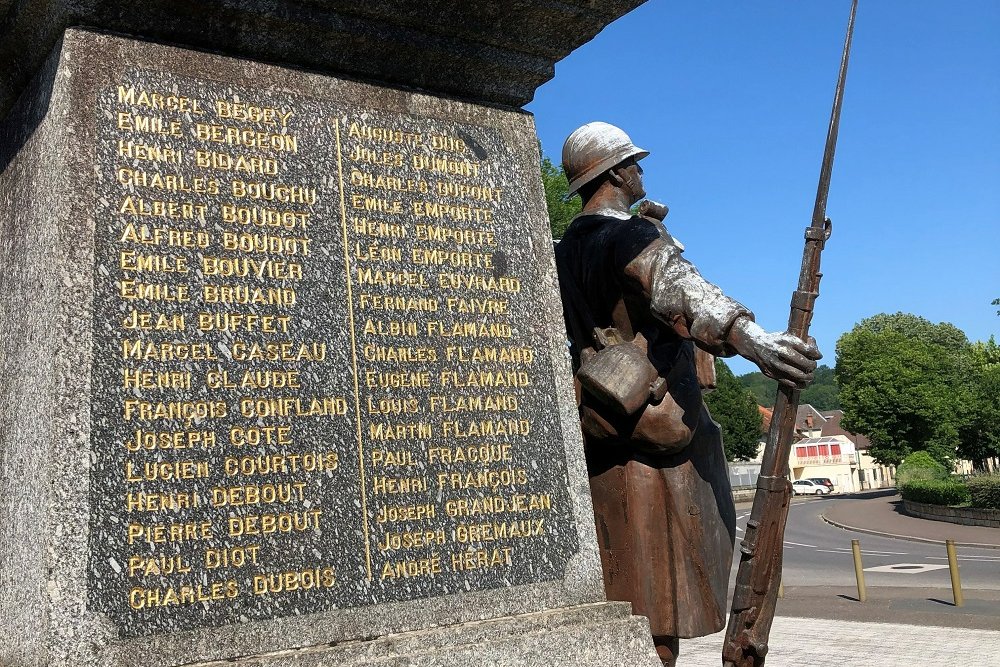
(818, 554)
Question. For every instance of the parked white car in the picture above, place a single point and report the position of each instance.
(809, 487)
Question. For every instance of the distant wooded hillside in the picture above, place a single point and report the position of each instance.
(822, 394)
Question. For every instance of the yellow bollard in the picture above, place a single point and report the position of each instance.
(859, 571)
(781, 589)
(956, 582)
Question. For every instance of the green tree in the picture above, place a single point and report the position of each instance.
(903, 384)
(981, 435)
(561, 210)
(735, 409)
(822, 394)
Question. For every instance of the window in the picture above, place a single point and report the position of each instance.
(835, 450)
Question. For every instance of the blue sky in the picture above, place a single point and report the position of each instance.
(732, 99)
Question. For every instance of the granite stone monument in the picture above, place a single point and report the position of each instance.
(284, 374)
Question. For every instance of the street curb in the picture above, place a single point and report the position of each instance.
(909, 538)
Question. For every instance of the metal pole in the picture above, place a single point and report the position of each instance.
(859, 570)
(956, 582)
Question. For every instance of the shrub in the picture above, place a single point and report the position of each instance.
(985, 491)
(918, 466)
(935, 492)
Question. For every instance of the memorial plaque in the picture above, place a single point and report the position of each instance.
(318, 377)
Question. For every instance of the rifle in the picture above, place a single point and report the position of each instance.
(759, 573)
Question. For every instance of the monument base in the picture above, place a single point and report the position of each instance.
(594, 635)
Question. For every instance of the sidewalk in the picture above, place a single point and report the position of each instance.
(796, 642)
(882, 514)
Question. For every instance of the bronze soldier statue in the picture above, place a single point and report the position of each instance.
(635, 311)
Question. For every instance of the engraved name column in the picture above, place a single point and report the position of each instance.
(224, 477)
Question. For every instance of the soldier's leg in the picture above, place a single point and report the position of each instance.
(667, 648)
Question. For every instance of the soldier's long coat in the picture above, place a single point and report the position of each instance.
(662, 499)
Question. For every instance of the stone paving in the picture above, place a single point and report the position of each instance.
(815, 642)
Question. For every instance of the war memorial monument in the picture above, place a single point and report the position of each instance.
(285, 380)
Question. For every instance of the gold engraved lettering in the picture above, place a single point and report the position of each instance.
(248, 267)
(234, 321)
(467, 281)
(393, 406)
(164, 533)
(376, 253)
(147, 598)
(478, 559)
(364, 154)
(408, 569)
(146, 321)
(405, 431)
(258, 494)
(296, 580)
(231, 556)
(505, 355)
(362, 179)
(180, 238)
(478, 329)
(401, 380)
(482, 479)
(253, 164)
(392, 278)
(376, 204)
(455, 235)
(167, 182)
(255, 436)
(445, 165)
(259, 216)
(159, 566)
(281, 464)
(170, 440)
(278, 351)
(130, 260)
(412, 539)
(477, 306)
(494, 403)
(265, 243)
(486, 505)
(396, 302)
(484, 379)
(460, 212)
(486, 453)
(149, 124)
(453, 258)
(401, 513)
(167, 351)
(165, 471)
(392, 458)
(280, 522)
(279, 192)
(160, 502)
(148, 152)
(463, 191)
(183, 210)
(487, 428)
(250, 113)
(189, 411)
(133, 290)
(464, 533)
(156, 100)
(396, 485)
(378, 228)
(246, 136)
(384, 135)
(248, 295)
(326, 406)
(444, 142)
(390, 328)
(139, 379)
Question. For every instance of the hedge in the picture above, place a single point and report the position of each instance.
(935, 492)
(920, 466)
(985, 491)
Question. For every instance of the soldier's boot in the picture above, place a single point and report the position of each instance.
(667, 648)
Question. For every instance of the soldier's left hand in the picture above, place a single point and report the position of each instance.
(779, 355)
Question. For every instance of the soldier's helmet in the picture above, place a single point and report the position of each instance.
(593, 149)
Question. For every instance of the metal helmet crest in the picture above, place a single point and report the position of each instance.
(594, 148)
